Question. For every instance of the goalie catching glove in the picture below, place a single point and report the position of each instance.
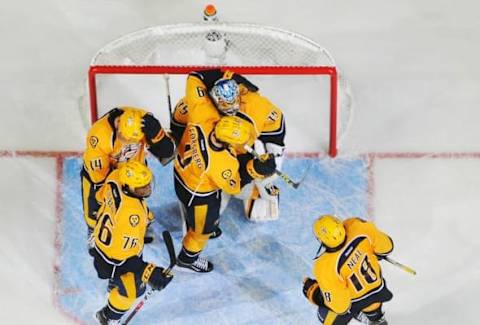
(156, 277)
(312, 292)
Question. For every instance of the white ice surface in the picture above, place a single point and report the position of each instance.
(413, 67)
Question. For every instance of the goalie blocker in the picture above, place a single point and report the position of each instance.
(260, 197)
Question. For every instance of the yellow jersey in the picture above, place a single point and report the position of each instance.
(105, 151)
(201, 168)
(352, 272)
(197, 107)
(122, 222)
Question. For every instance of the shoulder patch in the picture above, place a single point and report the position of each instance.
(182, 108)
(273, 116)
(93, 140)
(226, 174)
(134, 220)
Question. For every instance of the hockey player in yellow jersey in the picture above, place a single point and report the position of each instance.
(211, 94)
(206, 164)
(121, 135)
(117, 239)
(348, 280)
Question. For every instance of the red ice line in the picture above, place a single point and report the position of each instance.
(60, 156)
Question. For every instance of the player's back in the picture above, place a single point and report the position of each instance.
(358, 262)
(353, 272)
(122, 221)
(267, 119)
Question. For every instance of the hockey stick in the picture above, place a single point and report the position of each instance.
(166, 77)
(400, 265)
(171, 250)
(173, 260)
(169, 100)
(283, 176)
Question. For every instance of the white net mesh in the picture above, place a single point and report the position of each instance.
(213, 43)
(223, 44)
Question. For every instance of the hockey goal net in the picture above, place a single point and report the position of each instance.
(295, 73)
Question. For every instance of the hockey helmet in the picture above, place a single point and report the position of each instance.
(233, 130)
(134, 174)
(226, 96)
(329, 230)
(130, 124)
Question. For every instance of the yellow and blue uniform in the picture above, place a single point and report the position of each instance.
(350, 278)
(118, 241)
(106, 150)
(201, 172)
(197, 107)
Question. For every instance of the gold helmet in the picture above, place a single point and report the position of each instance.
(130, 124)
(134, 174)
(329, 230)
(233, 130)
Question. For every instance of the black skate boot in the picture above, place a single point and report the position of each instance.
(216, 233)
(373, 318)
(103, 319)
(201, 265)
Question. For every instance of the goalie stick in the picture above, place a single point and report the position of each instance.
(173, 260)
(283, 176)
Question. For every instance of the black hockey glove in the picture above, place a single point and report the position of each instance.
(159, 279)
(156, 276)
(312, 292)
(150, 127)
(263, 167)
(380, 257)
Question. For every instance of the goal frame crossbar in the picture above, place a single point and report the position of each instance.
(331, 71)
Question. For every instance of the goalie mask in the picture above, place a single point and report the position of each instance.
(330, 231)
(136, 178)
(226, 96)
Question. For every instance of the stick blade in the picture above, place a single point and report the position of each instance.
(167, 237)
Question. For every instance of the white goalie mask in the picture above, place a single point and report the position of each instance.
(226, 96)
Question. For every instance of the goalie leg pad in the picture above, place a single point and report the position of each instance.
(259, 209)
(267, 190)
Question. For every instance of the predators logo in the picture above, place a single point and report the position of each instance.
(128, 152)
(93, 141)
(134, 220)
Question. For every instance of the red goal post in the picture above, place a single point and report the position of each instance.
(265, 70)
(243, 48)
